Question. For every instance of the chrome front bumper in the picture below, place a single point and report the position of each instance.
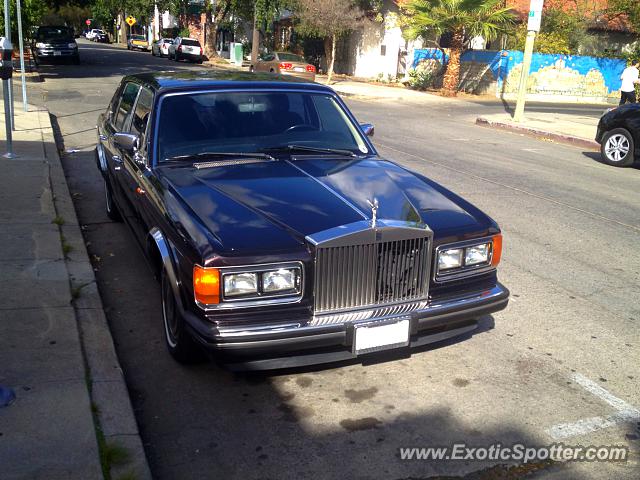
(322, 340)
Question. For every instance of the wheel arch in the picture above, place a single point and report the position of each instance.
(162, 257)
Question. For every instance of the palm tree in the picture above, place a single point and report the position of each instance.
(462, 19)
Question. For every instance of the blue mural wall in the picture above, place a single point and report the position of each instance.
(550, 74)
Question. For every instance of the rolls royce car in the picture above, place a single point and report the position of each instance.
(619, 135)
(279, 235)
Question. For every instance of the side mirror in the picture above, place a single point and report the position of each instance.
(126, 141)
(367, 129)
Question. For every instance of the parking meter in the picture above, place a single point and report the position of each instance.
(6, 64)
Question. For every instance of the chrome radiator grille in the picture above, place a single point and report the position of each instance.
(354, 276)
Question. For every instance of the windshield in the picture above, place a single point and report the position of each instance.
(254, 122)
(138, 37)
(290, 57)
(54, 33)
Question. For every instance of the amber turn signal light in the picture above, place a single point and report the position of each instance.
(497, 250)
(206, 285)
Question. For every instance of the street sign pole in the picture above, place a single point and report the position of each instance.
(21, 43)
(8, 85)
(533, 26)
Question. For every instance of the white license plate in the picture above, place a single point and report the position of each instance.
(57, 54)
(298, 69)
(372, 337)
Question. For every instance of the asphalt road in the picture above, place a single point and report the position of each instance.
(559, 365)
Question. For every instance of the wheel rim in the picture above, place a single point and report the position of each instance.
(169, 316)
(617, 147)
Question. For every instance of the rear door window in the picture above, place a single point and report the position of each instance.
(129, 95)
(190, 42)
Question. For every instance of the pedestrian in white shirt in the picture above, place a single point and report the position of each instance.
(630, 77)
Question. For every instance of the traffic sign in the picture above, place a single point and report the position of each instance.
(131, 21)
(535, 15)
(88, 22)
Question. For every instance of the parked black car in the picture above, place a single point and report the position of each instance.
(619, 135)
(55, 43)
(279, 235)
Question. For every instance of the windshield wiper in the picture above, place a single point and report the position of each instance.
(306, 148)
(204, 155)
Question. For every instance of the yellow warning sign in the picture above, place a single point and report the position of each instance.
(130, 20)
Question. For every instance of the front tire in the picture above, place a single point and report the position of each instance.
(617, 148)
(180, 344)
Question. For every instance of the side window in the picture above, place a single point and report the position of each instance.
(126, 104)
(141, 114)
(113, 105)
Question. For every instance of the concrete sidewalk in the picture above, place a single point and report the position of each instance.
(572, 129)
(72, 417)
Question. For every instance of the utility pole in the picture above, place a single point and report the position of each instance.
(533, 26)
(255, 39)
(8, 86)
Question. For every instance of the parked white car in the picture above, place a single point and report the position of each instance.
(185, 49)
(94, 32)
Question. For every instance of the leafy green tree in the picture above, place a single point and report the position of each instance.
(32, 12)
(328, 19)
(627, 9)
(462, 19)
(563, 29)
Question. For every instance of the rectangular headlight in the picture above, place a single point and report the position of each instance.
(451, 258)
(476, 255)
(238, 284)
(281, 280)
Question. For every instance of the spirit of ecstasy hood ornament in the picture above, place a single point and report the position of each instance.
(374, 211)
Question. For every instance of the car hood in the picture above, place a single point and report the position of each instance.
(272, 205)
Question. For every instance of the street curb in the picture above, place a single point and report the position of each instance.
(534, 132)
(112, 407)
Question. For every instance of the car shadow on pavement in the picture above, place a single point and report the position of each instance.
(598, 158)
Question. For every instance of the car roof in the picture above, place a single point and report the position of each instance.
(218, 79)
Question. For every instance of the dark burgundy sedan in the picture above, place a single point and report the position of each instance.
(279, 235)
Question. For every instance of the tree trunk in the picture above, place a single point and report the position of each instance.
(160, 25)
(210, 42)
(332, 60)
(452, 74)
(123, 28)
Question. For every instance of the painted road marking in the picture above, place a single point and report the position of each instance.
(625, 413)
